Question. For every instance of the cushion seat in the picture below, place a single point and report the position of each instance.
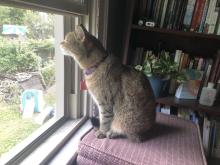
(174, 141)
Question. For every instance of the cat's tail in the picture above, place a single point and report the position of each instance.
(95, 122)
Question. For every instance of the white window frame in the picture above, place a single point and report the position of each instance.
(70, 113)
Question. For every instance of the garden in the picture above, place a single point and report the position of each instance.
(27, 73)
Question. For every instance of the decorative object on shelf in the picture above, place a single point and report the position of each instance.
(150, 24)
(208, 95)
(159, 71)
(190, 88)
(143, 21)
(184, 92)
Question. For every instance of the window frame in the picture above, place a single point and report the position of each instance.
(55, 6)
(81, 109)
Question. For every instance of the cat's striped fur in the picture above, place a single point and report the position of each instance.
(123, 95)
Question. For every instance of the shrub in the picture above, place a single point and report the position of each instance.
(17, 57)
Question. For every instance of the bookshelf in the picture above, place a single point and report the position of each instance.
(156, 39)
(176, 32)
(195, 44)
(191, 104)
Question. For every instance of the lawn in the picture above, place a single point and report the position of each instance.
(13, 129)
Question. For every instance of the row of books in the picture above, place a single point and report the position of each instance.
(209, 128)
(211, 137)
(208, 68)
(188, 15)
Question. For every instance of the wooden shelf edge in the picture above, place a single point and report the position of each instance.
(190, 104)
(176, 32)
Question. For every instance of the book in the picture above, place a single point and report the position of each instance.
(209, 18)
(179, 24)
(160, 13)
(204, 15)
(177, 13)
(207, 64)
(206, 135)
(188, 15)
(207, 73)
(217, 26)
(171, 14)
(216, 140)
(157, 10)
(214, 69)
(149, 9)
(163, 13)
(168, 13)
(197, 15)
(213, 21)
(165, 109)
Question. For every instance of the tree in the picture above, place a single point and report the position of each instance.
(9, 15)
(40, 25)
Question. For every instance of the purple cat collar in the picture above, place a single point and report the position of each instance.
(90, 70)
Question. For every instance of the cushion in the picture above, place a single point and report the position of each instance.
(173, 141)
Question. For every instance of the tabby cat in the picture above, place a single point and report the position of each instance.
(124, 96)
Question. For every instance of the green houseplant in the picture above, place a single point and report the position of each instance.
(160, 70)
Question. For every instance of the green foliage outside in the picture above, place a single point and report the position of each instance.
(17, 57)
(23, 55)
(13, 129)
(40, 25)
(45, 44)
(13, 16)
(48, 74)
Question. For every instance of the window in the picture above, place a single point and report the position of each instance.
(34, 90)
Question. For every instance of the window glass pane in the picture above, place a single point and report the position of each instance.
(29, 55)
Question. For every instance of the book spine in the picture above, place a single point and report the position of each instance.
(204, 15)
(212, 22)
(155, 2)
(197, 15)
(149, 9)
(189, 14)
(217, 26)
(163, 13)
(179, 7)
(156, 14)
(214, 68)
(211, 9)
(168, 13)
(171, 16)
(182, 15)
(206, 135)
(160, 13)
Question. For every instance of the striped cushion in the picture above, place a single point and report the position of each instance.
(174, 141)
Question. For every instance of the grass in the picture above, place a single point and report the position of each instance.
(13, 129)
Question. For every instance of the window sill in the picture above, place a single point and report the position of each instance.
(67, 154)
(41, 147)
(69, 133)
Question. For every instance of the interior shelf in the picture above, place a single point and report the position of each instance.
(191, 104)
(177, 32)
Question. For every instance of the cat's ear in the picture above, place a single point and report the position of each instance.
(81, 32)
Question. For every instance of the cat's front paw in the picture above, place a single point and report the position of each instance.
(100, 135)
(112, 135)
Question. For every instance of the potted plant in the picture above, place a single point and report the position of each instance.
(160, 70)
